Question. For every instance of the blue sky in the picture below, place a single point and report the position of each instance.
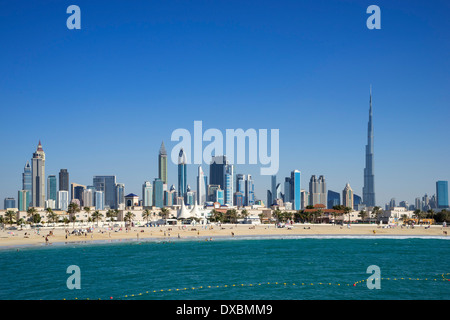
(101, 99)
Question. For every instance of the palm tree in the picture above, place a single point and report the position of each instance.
(111, 214)
(164, 213)
(96, 216)
(66, 221)
(244, 213)
(376, 211)
(10, 215)
(73, 219)
(418, 214)
(31, 212)
(73, 208)
(129, 216)
(347, 210)
(146, 214)
(363, 215)
(49, 213)
(277, 214)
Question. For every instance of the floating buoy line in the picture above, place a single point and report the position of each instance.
(444, 277)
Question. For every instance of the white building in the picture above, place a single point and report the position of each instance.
(62, 200)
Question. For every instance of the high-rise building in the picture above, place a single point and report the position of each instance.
(357, 201)
(249, 191)
(295, 190)
(238, 199)
(418, 204)
(219, 196)
(158, 193)
(189, 196)
(304, 199)
(333, 199)
(51, 187)
(88, 197)
(217, 170)
(63, 180)
(162, 163)
(73, 185)
(182, 179)
(317, 191)
(9, 203)
(147, 194)
(347, 196)
(228, 184)
(369, 177)
(269, 199)
(78, 194)
(212, 191)
(107, 184)
(23, 200)
(99, 197)
(202, 187)
(27, 178)
(62, 200)
(240, 185)
(120, 196)
(38, 177)
(392, 203)
(442, 194)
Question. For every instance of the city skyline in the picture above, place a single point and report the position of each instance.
(273, 73)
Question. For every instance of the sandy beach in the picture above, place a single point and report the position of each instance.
(13, 238)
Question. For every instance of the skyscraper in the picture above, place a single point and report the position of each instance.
(147, 194)
(120, 196)
(249, 191)
(62, 201)
(162, 164)
(442, 194)
(158, 193)
(26, 178)
(38, 177)
(295, 190)
(217, 171)
(347, 196)
(9, 203)
(51, 187)
(201, 187)
(182, 180)
(107, 184)
(23, 200)
(228, 184)
(99, 200)
(369, 178)
(63, 180)
(333, 199)
(317, 191)
(88, 197)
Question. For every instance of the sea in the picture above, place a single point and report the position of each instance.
(237, 268)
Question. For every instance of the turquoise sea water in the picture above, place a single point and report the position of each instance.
(234, 269)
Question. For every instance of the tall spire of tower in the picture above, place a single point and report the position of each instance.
(369, 177)
(162, 150)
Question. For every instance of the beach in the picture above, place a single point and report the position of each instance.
(26, 237)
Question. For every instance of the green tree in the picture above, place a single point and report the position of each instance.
(129, 216)
(96, 215)
(31, 212)
(10, 216)
(363, 215)
(164, 213)
(146, 214)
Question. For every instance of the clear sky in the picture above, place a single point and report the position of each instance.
(101, 99)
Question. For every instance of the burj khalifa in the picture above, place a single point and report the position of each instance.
(369, 178)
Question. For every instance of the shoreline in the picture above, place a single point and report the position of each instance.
(17, 239)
